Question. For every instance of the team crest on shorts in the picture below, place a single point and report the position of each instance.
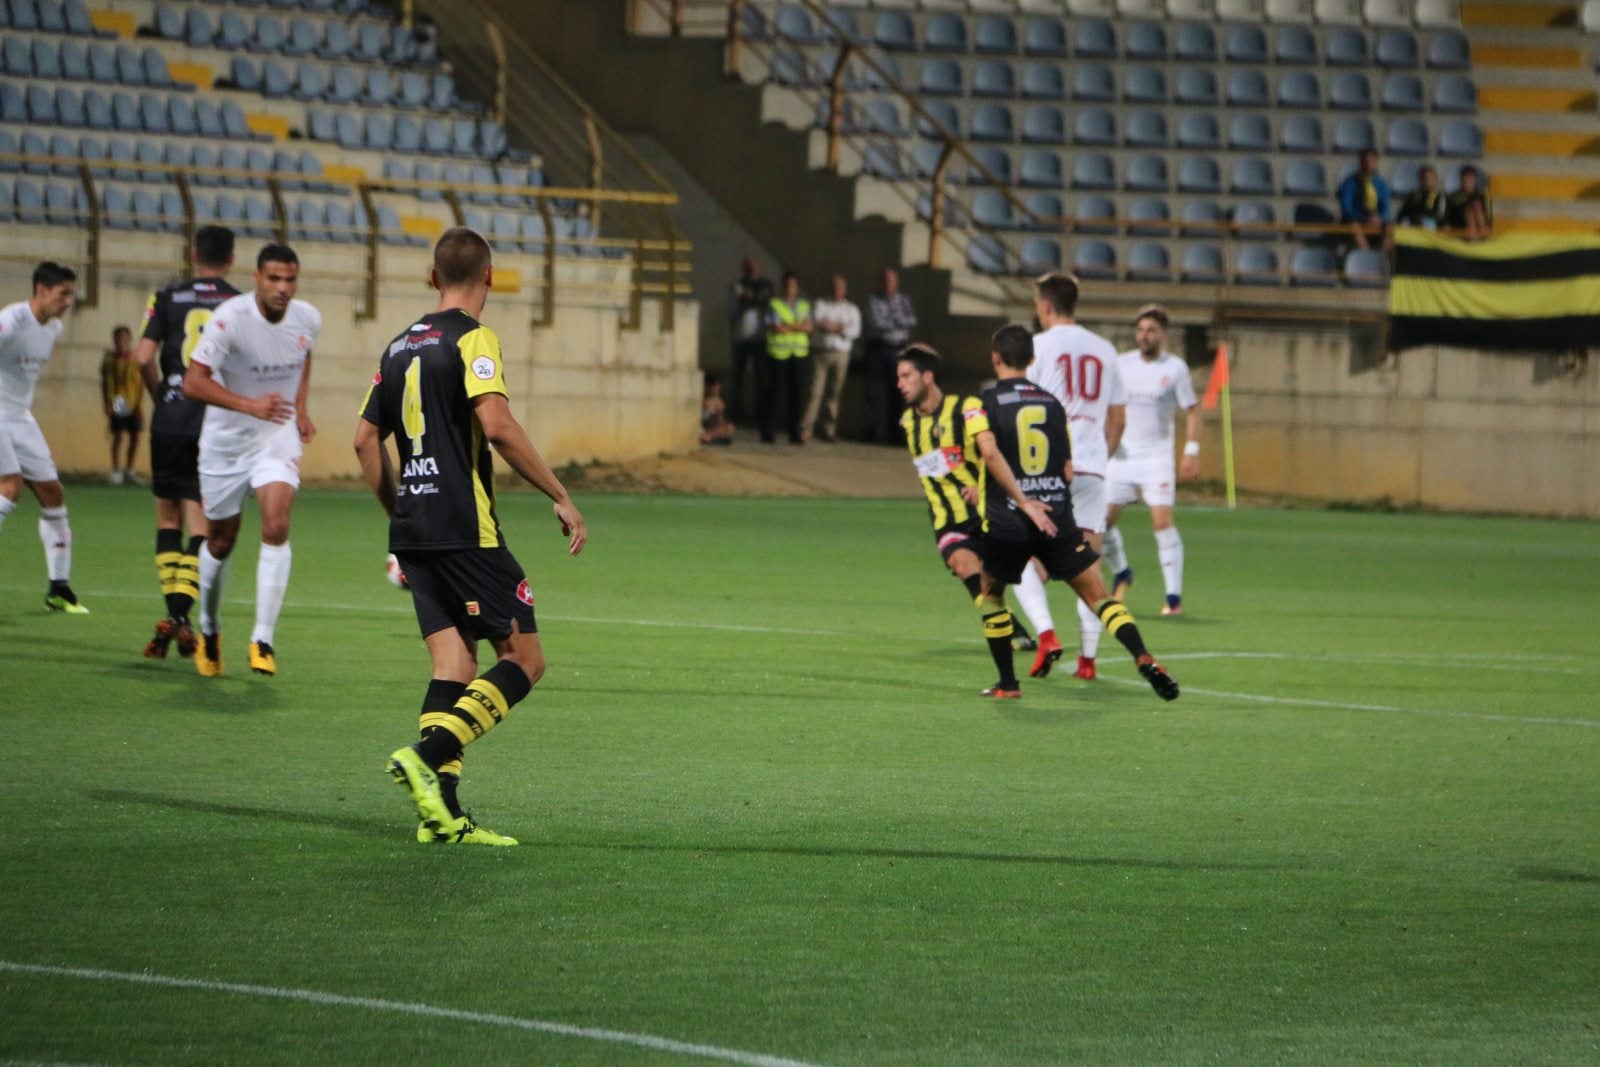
(472, 608)
(525, 594)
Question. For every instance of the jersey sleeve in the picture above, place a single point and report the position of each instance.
(1184, 385)
(155, 319)
(483, 365)
(974, 417)
(215, 339)
(372, 406)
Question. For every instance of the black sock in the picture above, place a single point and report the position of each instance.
(186, 578)
(169, 550)
(448, 784)
(440, 697)
(997, 630)
(1119, 622)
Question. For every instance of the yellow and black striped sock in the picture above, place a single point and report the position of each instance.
(439, 699)
(486, 700)
(1119, 623)
(169, 550)
(186, 579)
(997, 630)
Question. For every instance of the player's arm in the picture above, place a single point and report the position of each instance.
(376, 467)
(200, 383)
(1036, 510)
(1189, 466)
(302, 415)
(149, 347)
(1116, 423)
(502, 430)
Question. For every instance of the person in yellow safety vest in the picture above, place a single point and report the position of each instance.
(788, 360)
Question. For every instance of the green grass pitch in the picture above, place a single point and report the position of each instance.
(764, 811)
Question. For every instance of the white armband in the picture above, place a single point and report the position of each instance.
(1191, 448)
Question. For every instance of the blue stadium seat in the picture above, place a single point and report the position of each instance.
(77, 17)
(310, 81)
(940, 112)
(944, 32)
(1247, 88)
(1301, 133)
(308, 220)
(1407, 137)
(1146, 129)
(1194, 42)
(62, 203)
(16, 57)
(1314, 267)
(848, 29)
(882, 159)
(378, 134)
(402, 47)
(1305, 177)
(1145, 40)
(1040, 168)
(233, 32)
(1043, 36)
(46, 58)
(1093, 170)
(64, 146)
(1353, 133)
(1202, 216)
(1093, 82)
(1144, 85)
(1147, 174)
(1199, 174)
(35, 144)
(942, 77)
(8, 209)
(986, 254)
(1149, 262)
(153, 113)
(337, 43)
(370, 43)
(348, 127)
(120, 151)
(286, 168)
(991, 208)
(229, 211)
(443, 95)
(1149, 215)
(428, 172)
(198, 29)
(379, 89)
(1245, 44)
(1461, 139)
(1403, 177)
(1095, 126)
(30, 201)
(894, 30)
(1366, 268)
(321, 124)
(181, 117)
(1256, 265)
(97, 110)
(794, 23)
(258, 161)
(148, 151)
(1250, 132)
(344, 85)
(1345, 46)
(1396, 49)
(1095, 259)
(1294, 45)
(463, 137)
(995, 33)
(69, 107)
(245, 74)
(23, 14)
(41, 105)
(1198, 130)
(883, 116)
(413, 90)
(1043, 207)
(125, 112)
(1455, 94)
(75, 61)
(1043, 124)
(130, 71)
(1202, 263)
(1299, 89)
(52, 18)
(1040, 255)
(206, 157)
(1251, 176)
(1043, 81)
(13, 104)
(925, 158)
(793, 69)
(116, 206)
(233, 123)
(341, 218)
(232, 159)
(995, 161)
(258, 218)
(1094, 39)
(276, 81)
(993, 77)
(1448, 50)
(1196, 85)
(304, 37)
(1402, 92)
(482, 175)
(1349, 90)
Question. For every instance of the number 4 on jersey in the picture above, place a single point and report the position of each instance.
(411, 416)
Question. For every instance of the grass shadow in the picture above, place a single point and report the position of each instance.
(242, 811)
(1557, 875)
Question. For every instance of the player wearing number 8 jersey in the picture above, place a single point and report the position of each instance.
(1079, 367)
(440, 391)
(173, 323)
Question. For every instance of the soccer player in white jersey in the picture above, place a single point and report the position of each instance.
(1080, 368)
(252, 369)
(28, 333)
(1158, 384)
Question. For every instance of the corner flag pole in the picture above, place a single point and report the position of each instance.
(1217, 388)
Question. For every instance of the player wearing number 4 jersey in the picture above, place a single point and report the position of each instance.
(440, 392)
(1028, 511)
(174, 320)
(1079, 368)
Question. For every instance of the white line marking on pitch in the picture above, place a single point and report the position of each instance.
(312, 996)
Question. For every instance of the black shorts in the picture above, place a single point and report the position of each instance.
(479, 591)
(132, 422)
(958, 535)
(1065, 556)
(175, 466)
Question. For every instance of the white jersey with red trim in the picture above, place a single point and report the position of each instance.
(251, 356)
(1079, 367)
(25, 347)
(1156, 390)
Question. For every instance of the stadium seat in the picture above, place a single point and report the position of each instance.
(234, 124)
(1299, 89)
(268, 36)
(75, 61)
(986, 254)
(1353, 133)
(1245, 44)
(991, 122)
(442, 96)
(206, 157)
(348, 126)
(1344, 12)
(1094, 259)
(1301, 133)
(939, 117)
(1147, 174)
(69, 107)
(1040, 168)
(13, 104)
(16, 57)
(125, 112)
(1202, 216)
(1093, 170)
(993, 77)
(1145, 40)
(1448, 50)
(1043, 81)
(30, 201)
(303, 38)
(1043, 36)
(1198, 131)
(41, 105)
(337, 42)
(76, 14)
(1095, 126)
(97, 110)
(1149, 215)
(181, 118)
(1043, 124)
(994, 161)
(413, 90)
(1345, 46)
(1314, 267)
(1093, 82)
(1407, 137)
(1401, 92)
(1146, 129)
(1294, 46)
(463, 137)
(1455, 94)
(1256, 265)
(1094, 39)
(245, 74)
(321, 124)
(130, 71)
(62, 203)
(794, 23)
(1042, 208)
(198, 29)
(148, 151)
(102, 63)
(1247, 88)
(1202, 263)
(371, 41)
(1366, 268)
(1251, 176)
(1305, 177)
(1396, 49)
(1196, 85)
(64, 147)
(1349, 90)
(46, 59)
(991, 208)
(1386, 12)
(1149, 262)
(35, 144)
(1199, 174)
(1194, 42)
(1250, 132)
(1461, 139)
(1290, 10)
(1039, 255)
(1446, 14)
(482, 175)
(883, 116)
(378, 134)
(231, 158)
(1403, 179)
(944, 32)
(310, 81)
(893, 30)
(995, 33)
(1315, 216)
(276, 81)
(379, 88)
(1144, 85)
(344, 85)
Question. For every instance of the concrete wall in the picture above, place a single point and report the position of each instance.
(584, 388)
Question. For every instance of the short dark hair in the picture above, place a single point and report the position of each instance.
(276, 254)
(1155, 312)
(1014, 345)
(50, 274)
(213, 246)
(1427, 168)
(120, 330)
(786, 276)
(1466, 169)
(461, 256)
(922, 356)
(1060, 291)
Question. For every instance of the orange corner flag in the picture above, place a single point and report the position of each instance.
(1219, 379)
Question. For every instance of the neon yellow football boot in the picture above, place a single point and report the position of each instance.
(61, 598)
(462, 831)
(419, 780)
(208, 656)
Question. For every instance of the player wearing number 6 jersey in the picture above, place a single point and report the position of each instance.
(440, 392)
(173, 323)
(1028, 510)
(1079, 367)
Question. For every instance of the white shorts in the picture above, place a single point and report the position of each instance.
(1089, 502)
(1153, 480)
(23, 451)
(226, 478)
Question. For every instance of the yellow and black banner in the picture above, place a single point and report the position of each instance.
(1521, 291)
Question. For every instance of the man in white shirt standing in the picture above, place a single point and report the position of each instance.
(28, 334)
(1158, 384)
(1080, 368)
(838, 323)
(252, 369)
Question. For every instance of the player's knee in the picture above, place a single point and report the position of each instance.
(11, 487)
(531, 660)
(275, 530)
(220, 543)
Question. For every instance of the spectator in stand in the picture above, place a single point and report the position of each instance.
(890, 320)
(122, 397)
(715, 429)
(1364, 202)
(838, 325)
(1470, 209)
(789, 329)
(747, 318)
(1425, 205)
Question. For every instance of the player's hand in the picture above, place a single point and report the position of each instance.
(572, 527)
(307, 428)
(969, 493)
(1039, 512)
(272, 407)
(1188, 468)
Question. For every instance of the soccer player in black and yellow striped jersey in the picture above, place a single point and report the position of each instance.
(940, 430)
(440, 392)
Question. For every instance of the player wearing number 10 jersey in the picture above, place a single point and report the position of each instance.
(440, 392)
(1028, 511)
(173, 322)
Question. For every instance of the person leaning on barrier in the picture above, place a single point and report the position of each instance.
(1364, 201)
(1424, 206)
(1469, 208)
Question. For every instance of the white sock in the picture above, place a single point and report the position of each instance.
(1089, 627)
(6, 508)
(272, 578)
(212, 572)
(1169, 547)
(1035, 605)
(57, 538)
(1114, 552)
